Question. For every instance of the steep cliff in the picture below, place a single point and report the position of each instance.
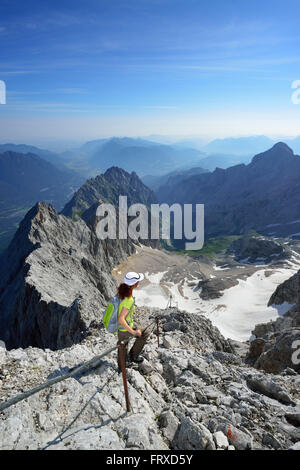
(288, 291)
(55, 278)
(275, 345)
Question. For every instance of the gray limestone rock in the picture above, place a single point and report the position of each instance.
(194, 436)
(54, 280)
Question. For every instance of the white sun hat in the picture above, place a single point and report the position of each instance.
(132, 278)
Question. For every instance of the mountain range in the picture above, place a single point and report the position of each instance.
(238, 145)
(234, 146)
(234, 196)
(159, 156)
(47, 155)
(154, 182)
(143, 157)
(263, 195)
(156, 157)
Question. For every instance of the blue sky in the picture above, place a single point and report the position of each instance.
(79, 70)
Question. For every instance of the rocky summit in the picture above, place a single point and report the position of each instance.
(107, 187)
(193, 392)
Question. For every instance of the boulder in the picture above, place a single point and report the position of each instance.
(236, 437)
(194, 436)
(270, 441)
(168, 424)
(279, 354)
(293, 418)
(295, 446)
(270, 388)
(220, 440)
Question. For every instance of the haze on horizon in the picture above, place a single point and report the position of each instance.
(80, 71)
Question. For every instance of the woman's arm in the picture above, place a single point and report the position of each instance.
(124, 324)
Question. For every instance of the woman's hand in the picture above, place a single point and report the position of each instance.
(138, 333)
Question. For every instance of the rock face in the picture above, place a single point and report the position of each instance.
(194, 330)
(254, 248)
(189, 397)
(214, 288)
(288, 291)
(107, 188)
(280, 352)
(275, 345)
(55, 278)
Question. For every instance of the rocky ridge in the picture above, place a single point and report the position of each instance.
(54, 278)
(107, 187)
(262, 195)
(255, 248)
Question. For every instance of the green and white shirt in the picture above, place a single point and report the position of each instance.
(127, 303)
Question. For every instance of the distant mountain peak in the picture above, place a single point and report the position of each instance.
(282, 146)
(279, 153)
(107, 187)
(115, 170)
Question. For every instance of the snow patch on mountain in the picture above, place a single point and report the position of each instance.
(235, 314)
